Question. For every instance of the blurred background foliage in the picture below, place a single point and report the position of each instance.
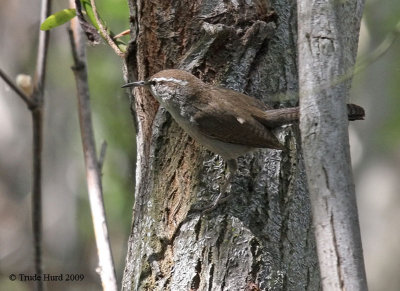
(69, 245)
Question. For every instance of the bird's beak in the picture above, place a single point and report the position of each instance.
(135, 84)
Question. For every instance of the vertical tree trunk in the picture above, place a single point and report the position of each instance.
(328, 48)
(262, 238)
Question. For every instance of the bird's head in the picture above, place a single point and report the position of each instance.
(168, 84)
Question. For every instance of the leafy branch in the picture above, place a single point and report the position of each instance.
(91, 23)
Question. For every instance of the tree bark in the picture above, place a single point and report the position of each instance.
(262, 238)
(328, 47)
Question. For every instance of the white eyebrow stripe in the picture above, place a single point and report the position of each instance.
(173, 80)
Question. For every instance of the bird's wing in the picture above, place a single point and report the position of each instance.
(226, 123)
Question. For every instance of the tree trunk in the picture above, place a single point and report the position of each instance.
(260, 240)
(328, 48)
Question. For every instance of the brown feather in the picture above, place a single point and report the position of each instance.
(222, 122)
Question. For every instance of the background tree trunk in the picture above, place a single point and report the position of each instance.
(263, 236)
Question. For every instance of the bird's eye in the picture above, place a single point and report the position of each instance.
(152, 83)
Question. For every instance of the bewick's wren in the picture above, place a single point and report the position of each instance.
(226, 122)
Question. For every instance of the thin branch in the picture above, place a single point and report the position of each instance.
(35, 105)
(102, 156)
(37, 145)
(104, 32)
(376, 54)
(91, 32)
(41, 58)
(363, 63)
(121, 34)
(37, 124)
(93, 172)
(31, 104)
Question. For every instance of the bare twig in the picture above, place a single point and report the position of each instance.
(17, 90)
(102, 156)
(121, 34)
(35, 105)
(377, 53)
(93, 171)
(104, 32)
(41, 58)
(37, 124)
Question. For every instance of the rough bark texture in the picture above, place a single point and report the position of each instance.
(262, 238)
(328, 47)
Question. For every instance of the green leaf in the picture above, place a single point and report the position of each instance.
(87, 7)
(58, 19)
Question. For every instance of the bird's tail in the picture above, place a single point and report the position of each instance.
(279, 117)
(355, 112)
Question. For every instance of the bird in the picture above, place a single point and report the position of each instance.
(224, 121)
